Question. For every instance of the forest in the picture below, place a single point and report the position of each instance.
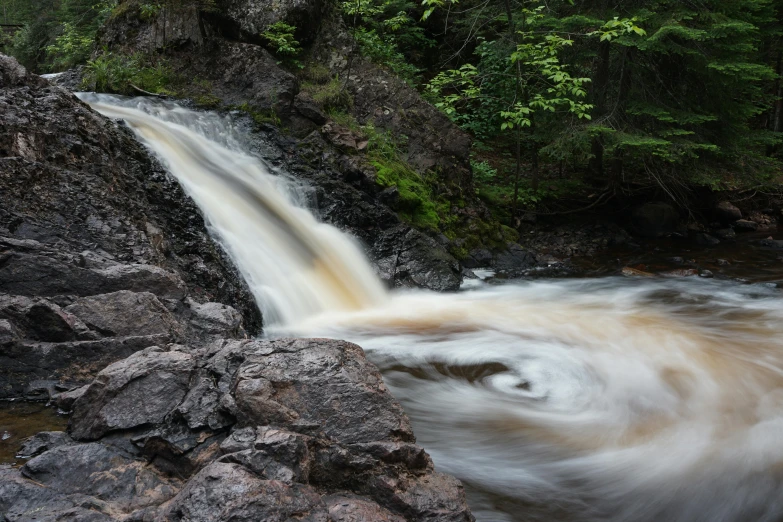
(569, 103)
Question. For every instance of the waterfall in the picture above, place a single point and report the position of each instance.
(295, 265)
(596, 400)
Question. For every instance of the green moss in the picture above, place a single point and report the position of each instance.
(415, 202)
(315, 73)
(330, 95)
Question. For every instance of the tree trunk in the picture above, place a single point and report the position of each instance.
(600, 85)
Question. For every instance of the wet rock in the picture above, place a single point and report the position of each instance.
(725, 233)
(655, 219)
(479, 258)
(89, 212)
(124, 313)
(407, 257)
(514, 261)
(65, 400)
(102, 472)
(353, 508)
(136, 391)
(772, 243)
(722, 262)
(216, 318)
(42, 320)
(633, 272)
(143, 278)
(40, 390)
(726, 212)
(744, 225)
(44, 441)
(227, 491)
(8, 333)
(706, 274)
(706, 239)
(318, 388)
(74, 361)
(681, 272)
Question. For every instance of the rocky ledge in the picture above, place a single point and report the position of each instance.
(291, 429)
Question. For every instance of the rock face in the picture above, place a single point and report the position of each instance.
(223, 50)
(236, 430)
(101, 253)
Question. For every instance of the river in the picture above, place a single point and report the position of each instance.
(582, 400)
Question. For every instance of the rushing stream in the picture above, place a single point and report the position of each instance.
(581, 400)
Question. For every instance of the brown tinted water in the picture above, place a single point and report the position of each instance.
(742, 259)
(19, 420)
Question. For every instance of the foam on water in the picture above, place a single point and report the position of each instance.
(610, 399)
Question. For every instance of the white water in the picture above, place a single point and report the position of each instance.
(294, 265)
(623, 400)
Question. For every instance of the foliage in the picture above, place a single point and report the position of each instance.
(326, 91)
(123, 74)
(385, 32)
(282, 42)
(70, 48)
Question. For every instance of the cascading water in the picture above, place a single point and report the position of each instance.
(294, 265)
(604, 399)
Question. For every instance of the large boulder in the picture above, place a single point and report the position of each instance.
(726, 212)
(252, 430)
(654, 219)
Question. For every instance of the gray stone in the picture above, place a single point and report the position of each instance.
(124, 313)
(215, 318)
(228, 491)
(142, 389)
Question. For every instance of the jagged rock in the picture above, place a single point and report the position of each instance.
(124, 313)
(75, 361)
(353, 508)
(136, 391)
(44, 441)
(479, 258)
(215, 318)
(406, 257)
(41, 320)
(336, 442)
(318, 388)
(8, 333)
(100, 471)
(255, 18)
(66, 399)
(226, 491)
(515, 260)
